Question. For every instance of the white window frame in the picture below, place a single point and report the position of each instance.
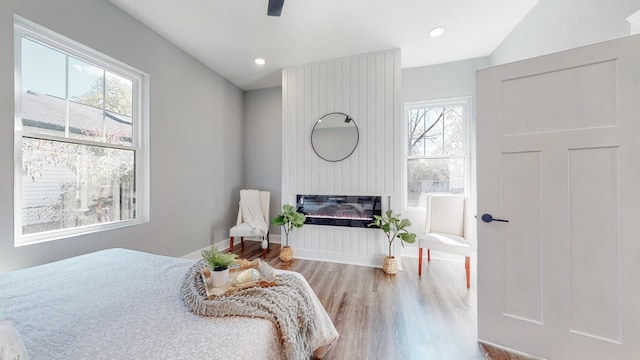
(466, 116)
(140, 139)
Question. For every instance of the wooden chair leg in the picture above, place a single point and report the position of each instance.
(467, 267)
(428, 255)
(419, 261)
(264, 251)
(231, 244)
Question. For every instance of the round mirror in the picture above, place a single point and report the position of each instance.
(334, 137)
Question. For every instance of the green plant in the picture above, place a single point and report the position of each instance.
(289, 219)
(394, 227)
(217, 260)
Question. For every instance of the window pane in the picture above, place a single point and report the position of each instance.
(68, 185)
(434, 175)
(417, 147)
(119, 109)
(416, 128)
(86, 92)
(119, 94)
(43, 73)
(434, 122)
(453, 132)
(426, 131)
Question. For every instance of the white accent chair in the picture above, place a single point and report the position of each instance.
(243, 229)
(445, 229)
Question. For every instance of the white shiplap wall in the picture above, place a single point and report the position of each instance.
(367, 87)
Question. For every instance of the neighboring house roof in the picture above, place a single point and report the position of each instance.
(49, 112)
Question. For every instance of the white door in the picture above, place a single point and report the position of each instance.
(558, 140)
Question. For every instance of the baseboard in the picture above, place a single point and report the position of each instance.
(224, 245)
(412, 252)
(274, 238)
(368, 261)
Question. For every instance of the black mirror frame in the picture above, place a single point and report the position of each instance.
(350, 119)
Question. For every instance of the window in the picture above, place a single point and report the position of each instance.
(80, 145)
(436, 148)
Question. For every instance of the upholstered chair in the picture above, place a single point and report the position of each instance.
(445, 229)
(242, 229)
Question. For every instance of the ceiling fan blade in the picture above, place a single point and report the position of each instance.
(275, 7)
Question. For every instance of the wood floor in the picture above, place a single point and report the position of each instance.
(403, 316)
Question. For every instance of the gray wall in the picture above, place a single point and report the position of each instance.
(263, 145)
(454, 79)
(554, 25)
(196, 135)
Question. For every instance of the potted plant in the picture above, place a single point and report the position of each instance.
(219, 263)
(289, 219)
(393, 227)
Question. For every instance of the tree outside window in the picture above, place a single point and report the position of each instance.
(436, 148)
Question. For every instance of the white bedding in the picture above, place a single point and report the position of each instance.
(124, 304)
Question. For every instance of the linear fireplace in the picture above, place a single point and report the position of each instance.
(339, 210)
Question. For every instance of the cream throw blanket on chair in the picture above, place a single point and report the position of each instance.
(252, 211)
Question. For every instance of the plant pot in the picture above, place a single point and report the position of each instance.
(390, 265)
(219, 278)
(286, 253)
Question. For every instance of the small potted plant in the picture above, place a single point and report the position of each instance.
(393, 227)
(289, 219)
(219, 263)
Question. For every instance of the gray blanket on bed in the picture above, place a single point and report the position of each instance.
(287, 305)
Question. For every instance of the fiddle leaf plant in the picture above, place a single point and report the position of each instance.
(289, 218)
(394, 227)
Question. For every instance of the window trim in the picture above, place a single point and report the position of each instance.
(465, 101)
(140, 130)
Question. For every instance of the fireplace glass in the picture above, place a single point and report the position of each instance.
(339, 210)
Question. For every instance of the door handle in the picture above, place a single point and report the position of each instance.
(488, 218)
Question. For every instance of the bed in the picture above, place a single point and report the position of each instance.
(125, 304)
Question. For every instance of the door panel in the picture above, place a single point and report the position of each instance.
(593, 239)
(558, 147)
(523, 285)
(592, 90)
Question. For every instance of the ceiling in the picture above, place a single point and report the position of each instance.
(227, 35)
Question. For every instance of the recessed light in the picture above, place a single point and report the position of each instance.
(260, 61)
(436, 31)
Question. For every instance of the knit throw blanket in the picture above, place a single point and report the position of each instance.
(251, 208)
(287, 305)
